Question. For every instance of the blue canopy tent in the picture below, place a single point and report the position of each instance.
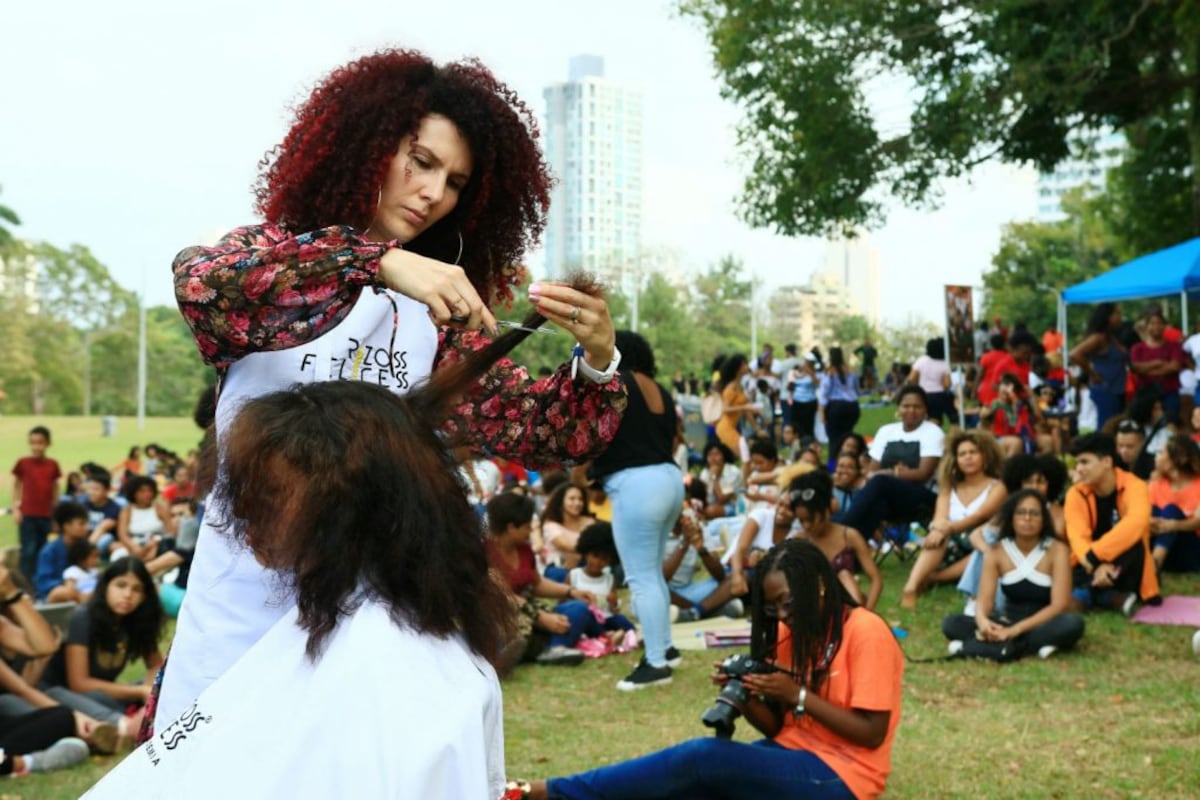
(1175, 270)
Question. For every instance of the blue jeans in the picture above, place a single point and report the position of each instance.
(33, 533)
(584, 623)
(646, 501)
(709, 769)
(695, 593)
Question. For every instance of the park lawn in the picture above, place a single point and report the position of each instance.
(1115, 719)
(76, 440)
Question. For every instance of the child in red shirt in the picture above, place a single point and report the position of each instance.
(35, 490)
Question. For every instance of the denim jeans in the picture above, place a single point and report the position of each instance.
(708, 769)
(32, 533)
(584, 623)
(646, 501)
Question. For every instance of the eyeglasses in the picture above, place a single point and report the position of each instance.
(1128, 426)
(1027, 512)
(778, 610)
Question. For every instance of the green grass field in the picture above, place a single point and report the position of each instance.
(1115, 719)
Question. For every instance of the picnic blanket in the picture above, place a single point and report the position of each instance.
(1174, 610)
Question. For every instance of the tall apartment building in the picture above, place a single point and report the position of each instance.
(855, 262)
(1089, 167)
(809, 313)
(593, 141)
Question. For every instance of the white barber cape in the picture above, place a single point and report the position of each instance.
(385, 712)
(231, 599)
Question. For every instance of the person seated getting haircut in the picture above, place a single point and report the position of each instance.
(1108, 529)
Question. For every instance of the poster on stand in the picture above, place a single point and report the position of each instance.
(960, 325)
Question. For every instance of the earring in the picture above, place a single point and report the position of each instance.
(458, 257)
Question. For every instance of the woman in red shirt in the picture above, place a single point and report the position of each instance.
(1157, 362)
(993, 365)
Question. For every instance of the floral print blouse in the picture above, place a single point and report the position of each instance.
(263, 288)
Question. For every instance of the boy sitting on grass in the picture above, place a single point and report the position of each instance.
(71, 520)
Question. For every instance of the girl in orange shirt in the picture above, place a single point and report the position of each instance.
(829, 709)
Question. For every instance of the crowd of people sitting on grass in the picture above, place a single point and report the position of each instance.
(1032, 538)
(102, 558)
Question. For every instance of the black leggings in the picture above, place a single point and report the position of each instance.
(886, 497)
(1062, 632)
(34, 731)
(804, 419)
(840, 418)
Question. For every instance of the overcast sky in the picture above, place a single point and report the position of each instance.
(135, 127)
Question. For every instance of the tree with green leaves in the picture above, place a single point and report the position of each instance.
(1014, 80)
(1037, 260)
(7, 217)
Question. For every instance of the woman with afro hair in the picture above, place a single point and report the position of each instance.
(395, 211)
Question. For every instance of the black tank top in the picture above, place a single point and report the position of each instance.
(644, 438)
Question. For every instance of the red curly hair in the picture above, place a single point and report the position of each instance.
(332, 163)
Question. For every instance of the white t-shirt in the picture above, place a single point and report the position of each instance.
(601, 586)
(488, 475)
(1191, 345)
(85, 580)
(422, 716)
(231, 599)
(931, 372)
(764, 537)
(893, 445)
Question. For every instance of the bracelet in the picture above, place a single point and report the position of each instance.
(798, 711)
(10, 600)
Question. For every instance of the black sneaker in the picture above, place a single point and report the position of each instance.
(645, 675)
(674, 657)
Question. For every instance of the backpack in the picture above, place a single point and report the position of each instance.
(711, 408)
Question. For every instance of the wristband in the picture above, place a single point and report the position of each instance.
(798, 711)
(10, 600)
(579, 365)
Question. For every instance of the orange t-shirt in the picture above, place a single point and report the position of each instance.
(865, 674)
(1163, 494)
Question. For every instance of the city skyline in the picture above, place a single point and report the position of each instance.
(125, 135)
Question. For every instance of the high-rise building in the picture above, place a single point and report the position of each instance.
(855, 263)
(809, 314)
(593, 140)
(1093, 156)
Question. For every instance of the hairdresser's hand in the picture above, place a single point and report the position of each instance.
(581, 315)
(444, 288)
(554, 623)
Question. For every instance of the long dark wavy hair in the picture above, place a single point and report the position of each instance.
(553, 512)
(817, 614)
(347, 485)
(329, 168)
(141, 628)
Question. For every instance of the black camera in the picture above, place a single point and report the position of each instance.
(720, 717)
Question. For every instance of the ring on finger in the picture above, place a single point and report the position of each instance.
(575, 313)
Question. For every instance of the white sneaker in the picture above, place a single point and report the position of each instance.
(734, 609)
(63, 753)
(1129, 605)
(969, 608)
(955, 647)
(673, 613)
(1196, 643)
(1046, 650)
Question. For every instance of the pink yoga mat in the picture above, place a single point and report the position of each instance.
(1175, 610)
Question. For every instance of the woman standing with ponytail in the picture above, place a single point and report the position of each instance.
(839, 397)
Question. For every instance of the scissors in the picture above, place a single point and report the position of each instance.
(516, 326)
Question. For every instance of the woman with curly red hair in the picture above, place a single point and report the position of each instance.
(396, 209)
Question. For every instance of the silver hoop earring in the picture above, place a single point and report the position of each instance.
(458, 257)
